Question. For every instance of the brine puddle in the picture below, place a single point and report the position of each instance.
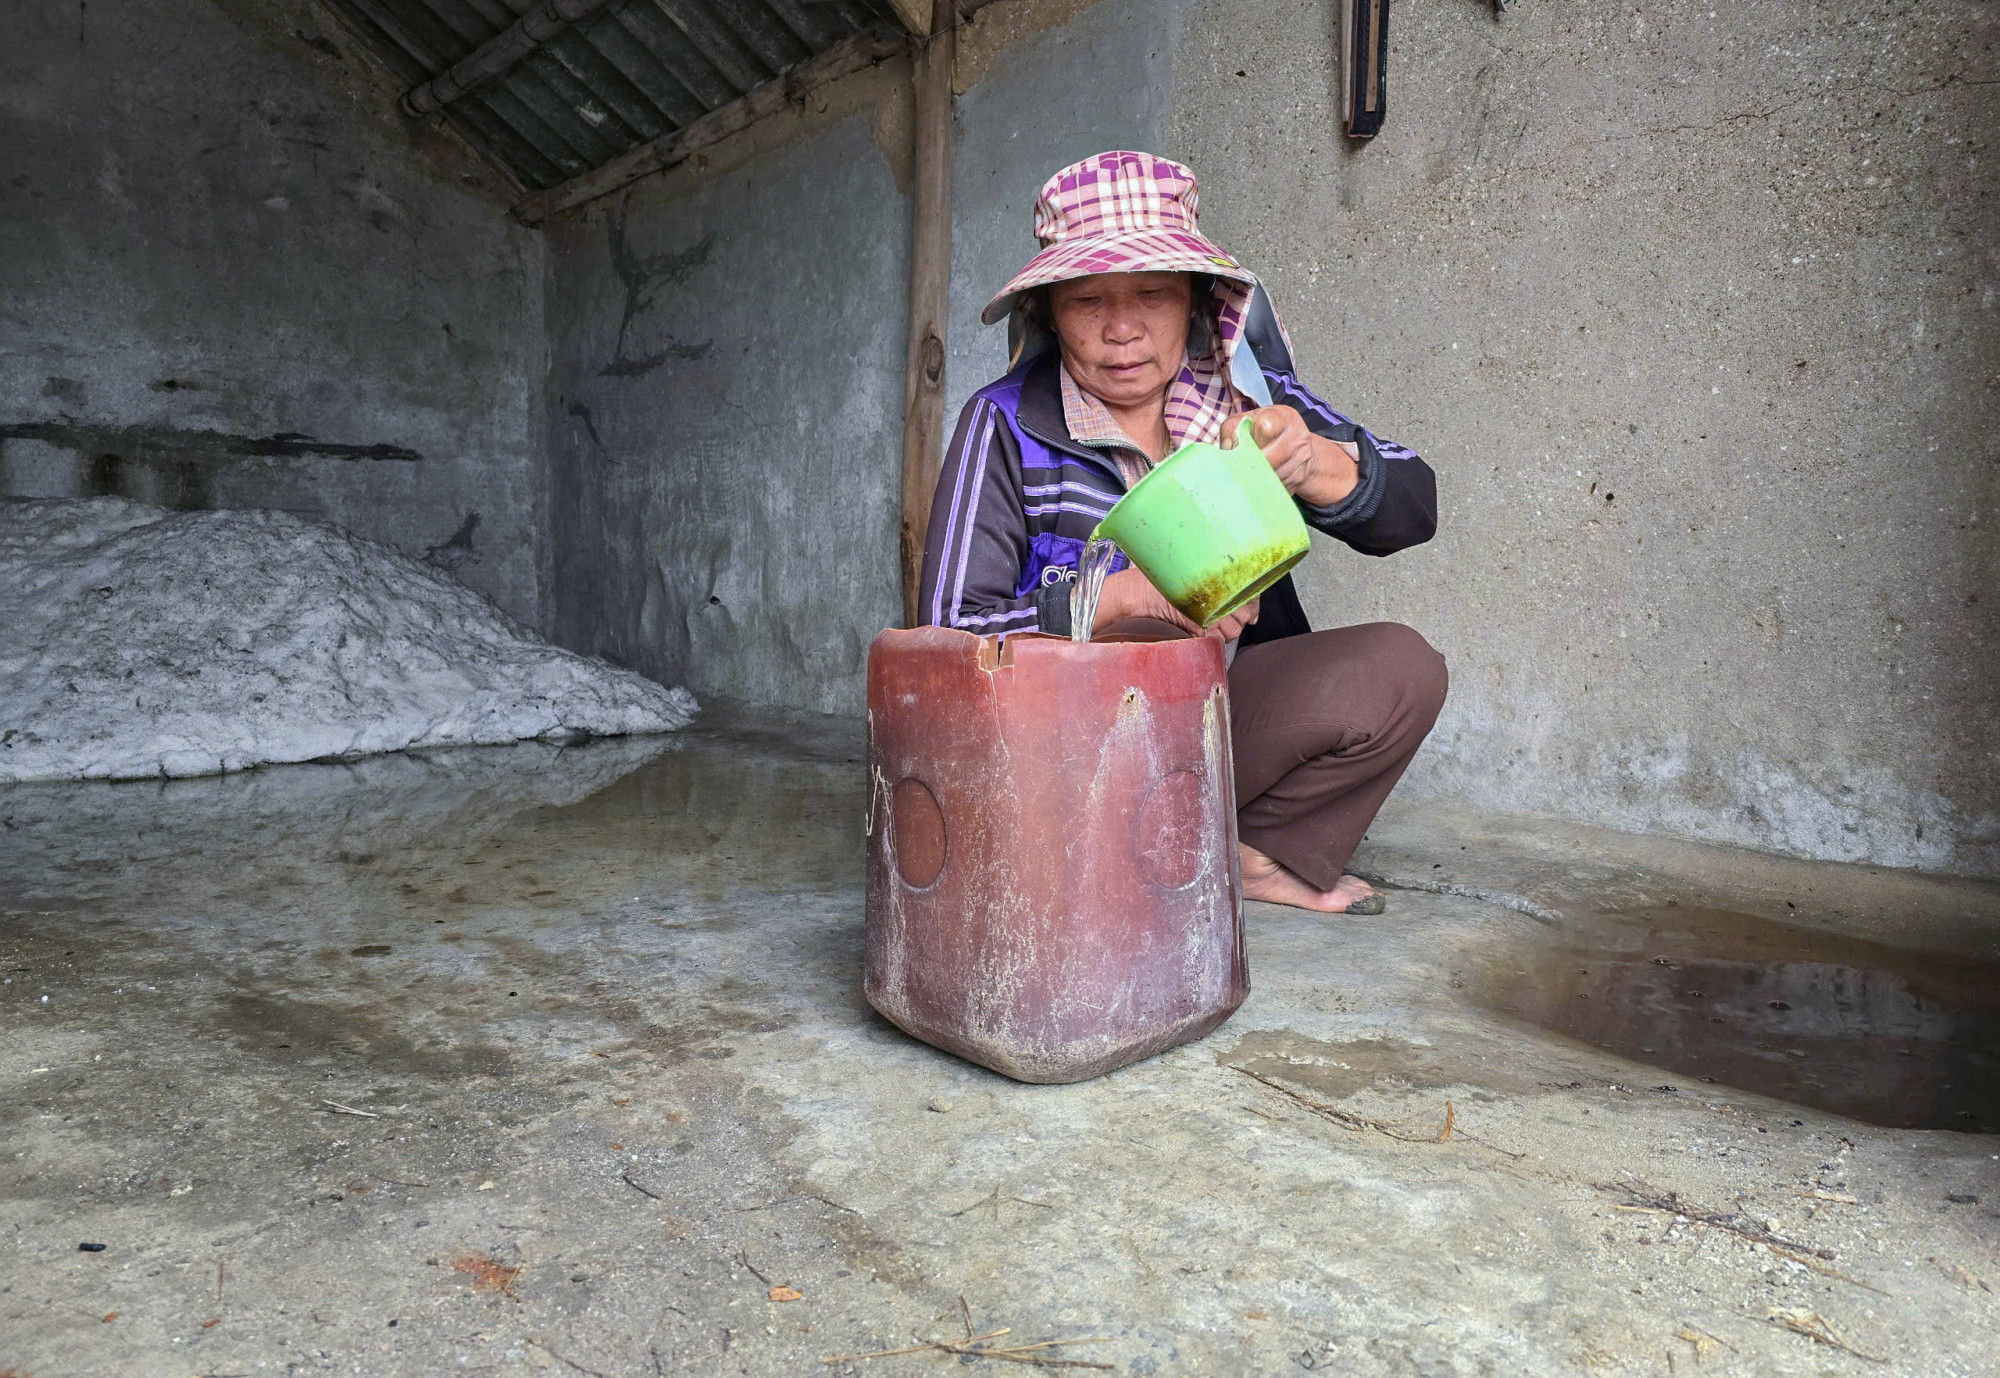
(1903, 1039)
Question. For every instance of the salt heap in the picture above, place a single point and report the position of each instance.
(139, 642)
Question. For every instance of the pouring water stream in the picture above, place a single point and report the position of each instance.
(1091, 568)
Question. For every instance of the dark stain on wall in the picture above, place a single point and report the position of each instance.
(622, 367)
(582, 413)
(643, 276)
(458, 550)
(156, 445)
(103, 475)
(182, 485)
(67, 391)
(319, 43)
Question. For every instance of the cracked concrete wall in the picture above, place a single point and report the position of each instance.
(1693, 310)
(726, 409)
(231, 277)
(1693, 315)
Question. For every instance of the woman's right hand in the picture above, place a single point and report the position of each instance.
(1130, 594)
(1231, 627)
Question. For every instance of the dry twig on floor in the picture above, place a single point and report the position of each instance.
(743, 1257)
(627, 1177)
(787, 1200)
(1645, 1200)
(975, 1346)
(994, 1199)
(565, 1360)
(1964, 1277)
(1735, 1222)
(1673, 1205)
(1702, 1342)
(1814, 1327)
(939, 1345)
(1347, 1119)
(1489, 1145)
(1824, 1270)
(339, 1109)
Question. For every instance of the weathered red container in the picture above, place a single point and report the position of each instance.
(1053, 884)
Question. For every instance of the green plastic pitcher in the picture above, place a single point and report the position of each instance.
(1212, 528)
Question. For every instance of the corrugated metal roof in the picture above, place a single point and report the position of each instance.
(623, 75)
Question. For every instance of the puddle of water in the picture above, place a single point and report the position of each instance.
(1903, 1039)
(440, 836)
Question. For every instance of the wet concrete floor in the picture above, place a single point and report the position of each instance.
(1893, 1036)
(530, 1060)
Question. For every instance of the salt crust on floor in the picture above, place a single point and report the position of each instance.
(137, 642)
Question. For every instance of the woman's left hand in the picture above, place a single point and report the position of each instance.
(1312, 468)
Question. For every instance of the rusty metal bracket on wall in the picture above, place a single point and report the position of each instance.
(1364, 58)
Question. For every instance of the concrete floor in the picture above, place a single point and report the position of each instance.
(603, 1015)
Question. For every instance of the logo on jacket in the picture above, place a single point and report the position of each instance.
(1058, 574)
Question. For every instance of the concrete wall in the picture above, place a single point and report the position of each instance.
(727, 343)
(1693, 309)
(229, 277)
(1694, 316)
(725, 419)
(1036, 94)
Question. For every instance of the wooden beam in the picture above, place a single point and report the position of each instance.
(789, 87)
(497, 55)
(915, 14)
(930, 296)
(398, 52)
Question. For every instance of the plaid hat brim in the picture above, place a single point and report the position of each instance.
(1132, 251)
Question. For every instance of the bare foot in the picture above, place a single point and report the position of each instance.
(1264, 879)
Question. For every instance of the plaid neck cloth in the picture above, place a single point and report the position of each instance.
(1198, 401)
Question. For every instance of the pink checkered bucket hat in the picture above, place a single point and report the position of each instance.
(1117, 212)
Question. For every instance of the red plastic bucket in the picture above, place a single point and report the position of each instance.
(1053, 885)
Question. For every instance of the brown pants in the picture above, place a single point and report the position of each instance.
(1322, 727)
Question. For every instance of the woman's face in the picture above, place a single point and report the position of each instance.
(1124, 335)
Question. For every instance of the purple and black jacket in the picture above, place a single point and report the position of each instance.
(1017, 498)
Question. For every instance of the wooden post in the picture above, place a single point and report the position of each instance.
(930, 295)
